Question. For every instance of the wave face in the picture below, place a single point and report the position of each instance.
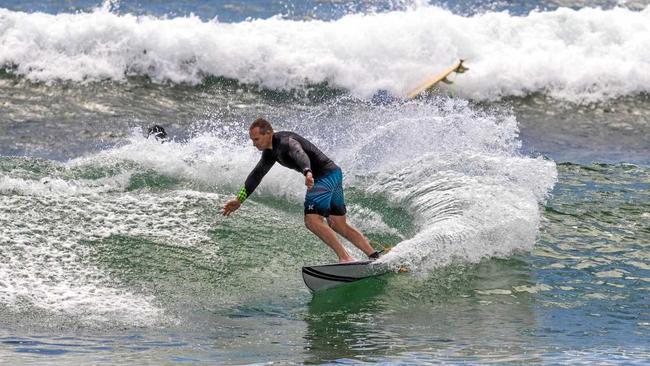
(580, 55)
(441, 181)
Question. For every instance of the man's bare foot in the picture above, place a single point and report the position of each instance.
(347, 260)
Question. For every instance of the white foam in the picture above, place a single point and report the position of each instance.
(368, 220)
(47, 265)
(587, 54)
(208, 160)
(467, 217)
(55, 186)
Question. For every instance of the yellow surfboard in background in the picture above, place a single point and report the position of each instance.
(458, 68)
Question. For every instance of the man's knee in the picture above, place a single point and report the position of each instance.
(337, 225)
(308, 222)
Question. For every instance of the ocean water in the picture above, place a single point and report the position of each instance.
(518, 197)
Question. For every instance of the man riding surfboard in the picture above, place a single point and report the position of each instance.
(324, 180)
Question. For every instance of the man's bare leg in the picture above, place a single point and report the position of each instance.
(341, 226)
(316, 225)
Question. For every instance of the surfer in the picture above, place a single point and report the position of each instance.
(324, 181)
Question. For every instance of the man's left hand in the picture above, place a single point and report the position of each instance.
(231, 206)
(309, 180)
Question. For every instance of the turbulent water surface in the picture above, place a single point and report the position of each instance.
(518, 197)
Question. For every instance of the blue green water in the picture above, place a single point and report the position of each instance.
(518, 197)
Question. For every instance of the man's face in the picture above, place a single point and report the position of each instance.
(260, 140)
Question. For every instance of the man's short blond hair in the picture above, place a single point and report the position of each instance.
(264, 126)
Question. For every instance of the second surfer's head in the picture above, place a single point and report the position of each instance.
(158, 132)
(261, 133)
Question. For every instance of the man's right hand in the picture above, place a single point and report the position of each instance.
(309, 180)
(231, 206)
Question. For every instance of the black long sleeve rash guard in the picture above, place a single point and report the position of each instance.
(294, 152)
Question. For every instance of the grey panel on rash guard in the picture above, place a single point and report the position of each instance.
(294, 152)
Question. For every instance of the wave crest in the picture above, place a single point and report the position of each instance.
(577, 55)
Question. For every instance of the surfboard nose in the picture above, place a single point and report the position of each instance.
(317, 281)
(318, 278)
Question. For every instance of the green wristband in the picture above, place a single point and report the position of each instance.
(242, 195)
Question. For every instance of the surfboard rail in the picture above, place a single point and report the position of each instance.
(322, 277)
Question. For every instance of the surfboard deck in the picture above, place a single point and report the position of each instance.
(458, 68)
(322, 277)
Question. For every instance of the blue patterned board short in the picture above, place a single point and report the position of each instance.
(326, 196)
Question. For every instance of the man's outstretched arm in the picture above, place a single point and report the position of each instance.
(253, 180)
